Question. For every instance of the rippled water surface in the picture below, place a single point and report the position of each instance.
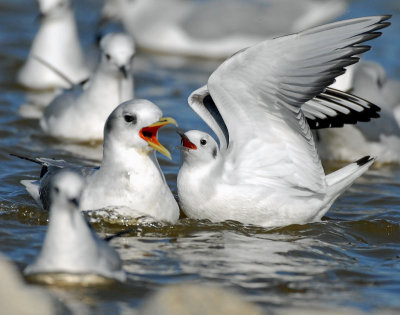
(350, 259)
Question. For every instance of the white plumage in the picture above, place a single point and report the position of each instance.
(80, 113)
(267, 170)
(215, 28)
(70, 247)
(56, 44)
(129, 179)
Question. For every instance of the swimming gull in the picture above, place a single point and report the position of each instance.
(215, 28)
(55, 48)
(267, 170)
(80, 113)
(129, 178)
(70, 246)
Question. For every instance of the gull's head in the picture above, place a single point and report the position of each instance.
(65, 190)
(117, 52)
(54, 8)
(135, 124)
(198, 147)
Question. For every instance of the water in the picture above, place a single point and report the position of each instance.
(350, 259)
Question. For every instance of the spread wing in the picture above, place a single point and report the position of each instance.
(259, 93)
(332, 108)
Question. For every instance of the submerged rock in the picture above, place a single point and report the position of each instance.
(190, 299)
(16, 297)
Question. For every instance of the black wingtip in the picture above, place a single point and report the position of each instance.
(25, 158)
(364, 160)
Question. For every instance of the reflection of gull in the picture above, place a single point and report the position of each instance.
(380, 137)
(129, 177)
(70, 247)
(56, 43)
(215, 28)
(80, 113)
(267, 170)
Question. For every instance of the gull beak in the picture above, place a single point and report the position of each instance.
(40, 17)
(149, 134)
(124, 71)
(186, 144)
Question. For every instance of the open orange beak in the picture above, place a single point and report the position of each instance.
(149, 134)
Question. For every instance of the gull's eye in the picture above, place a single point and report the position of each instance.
(56, 189)
(203, 141)
(130, 119)
(108, 57)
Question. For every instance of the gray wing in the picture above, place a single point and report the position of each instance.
(332, 108)
(51, 167)
(259, 93)
(108, 255)
(62, 102)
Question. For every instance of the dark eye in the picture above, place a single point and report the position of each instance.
(108, 56)
(203, 141)
(56, 189)
(130, 119)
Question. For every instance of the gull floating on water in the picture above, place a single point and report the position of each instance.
(56, 46)
(267, 170)
(80, 113)
(70, 246)
(381, 137)
(215, 28)
(129, 177)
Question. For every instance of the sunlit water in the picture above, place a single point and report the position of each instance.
(351, 258)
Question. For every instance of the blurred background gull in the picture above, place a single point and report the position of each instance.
(215, 28)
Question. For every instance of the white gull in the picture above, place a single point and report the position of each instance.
(129, 178)
(70, 246)
(80, 113)
(55, 46)
(267, 170)
(215, 28)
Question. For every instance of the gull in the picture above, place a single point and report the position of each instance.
(129, 177)
(381, 137)
(266, 170)
(56, 46)
(80, 113)
(215, 29)
(70, 246)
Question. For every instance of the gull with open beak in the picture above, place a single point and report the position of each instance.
(266, 170)
(129, 176)
(80, 113)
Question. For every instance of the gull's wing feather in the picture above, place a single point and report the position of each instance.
(330, 109)
(334, 108)
(259, 93)
(202, 103)
(63, 101)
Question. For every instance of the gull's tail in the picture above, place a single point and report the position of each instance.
(341, 179)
